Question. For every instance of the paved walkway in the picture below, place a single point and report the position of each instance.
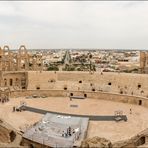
(91, 117)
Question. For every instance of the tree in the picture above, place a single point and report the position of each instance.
(53, 68)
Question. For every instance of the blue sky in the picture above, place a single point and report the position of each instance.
(74, 24)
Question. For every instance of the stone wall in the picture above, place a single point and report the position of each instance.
(13, 79)
(137, 100)
(32, 144)
(113, 82)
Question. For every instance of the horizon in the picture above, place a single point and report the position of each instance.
(82, 49)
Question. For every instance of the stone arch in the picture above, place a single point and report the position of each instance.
(23, 58)
(139, 86)
(6, 50)
(22, 50)
(12, 136)
(109, 83)
(37, 87)
(1, 52)
(65, 87)
(23, 83)
(6, 63)
(140, 141)
(11, 82)
(85, 95)
(140, 102)
(5, 82)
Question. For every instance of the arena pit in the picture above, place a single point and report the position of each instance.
(115, 131)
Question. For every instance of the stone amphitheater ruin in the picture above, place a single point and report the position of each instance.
(102, 94)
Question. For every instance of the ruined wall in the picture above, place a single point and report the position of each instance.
(30, 144)
(93, 95)
(112, 82)
(51, 93)
(14, 80)
(7, 133)
(40, 79)
(144, 62)
(141, 139)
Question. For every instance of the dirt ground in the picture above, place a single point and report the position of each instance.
(137, 121)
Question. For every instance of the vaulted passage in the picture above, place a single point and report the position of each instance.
(141, 141)
(140, 102)
(85, 95)
(11, 82)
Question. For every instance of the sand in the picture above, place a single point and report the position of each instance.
(137, 121)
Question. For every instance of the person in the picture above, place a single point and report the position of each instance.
(70, 98)
(13, 108)
(130, 111)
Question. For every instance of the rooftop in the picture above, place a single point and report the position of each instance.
(56, 130)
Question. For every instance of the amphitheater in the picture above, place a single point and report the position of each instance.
(104, 94)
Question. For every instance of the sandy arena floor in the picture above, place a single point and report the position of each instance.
(137, 121)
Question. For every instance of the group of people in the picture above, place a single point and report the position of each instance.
(4, 99)
(68, 132)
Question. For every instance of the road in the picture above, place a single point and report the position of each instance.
(67, 58)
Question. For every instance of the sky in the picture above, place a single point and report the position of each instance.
(74, 24)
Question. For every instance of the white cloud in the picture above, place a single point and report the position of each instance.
(74, 24)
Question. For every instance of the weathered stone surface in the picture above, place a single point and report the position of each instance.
(8, 136)
(96, 142)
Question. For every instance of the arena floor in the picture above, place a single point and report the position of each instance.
(114, 131)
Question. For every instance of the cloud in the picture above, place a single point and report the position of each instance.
(74, 24)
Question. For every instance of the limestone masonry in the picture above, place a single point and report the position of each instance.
(105, 95)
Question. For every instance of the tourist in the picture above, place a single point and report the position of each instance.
(130, 111)
(13, 108)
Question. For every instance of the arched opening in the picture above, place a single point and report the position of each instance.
(141, 141)
(80, 81)
(11, 82)
(71, 94)
(65, 88)
(140, 102)
(85, 95)
(109, 83)
(5, 82)
(12, 136)
(31, 146)
(139, 86)
(93, 89)
(38, 87)
(23, 66)
(16, 81)
(52, 80)
(23, 87)
(121, 91)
